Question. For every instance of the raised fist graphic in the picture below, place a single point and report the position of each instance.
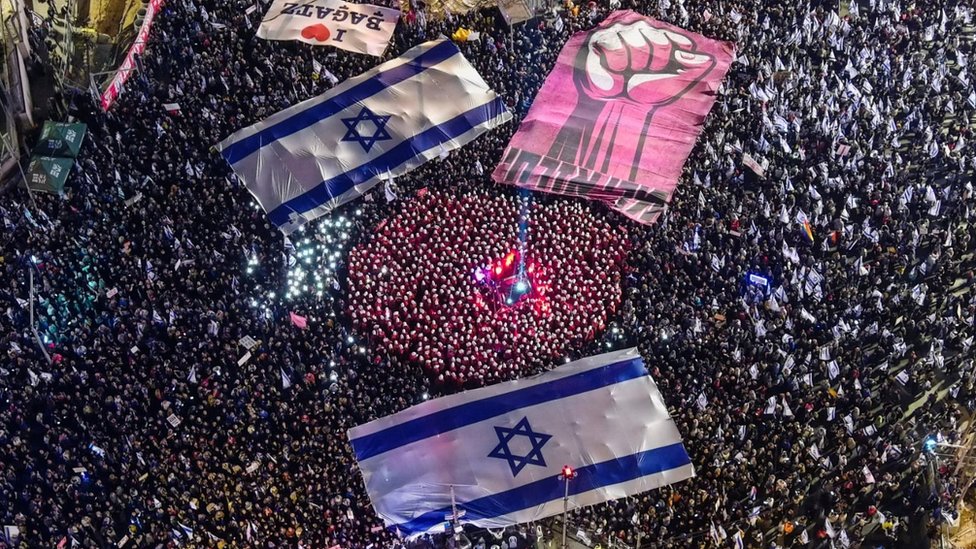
(623, 74)
(640, 63)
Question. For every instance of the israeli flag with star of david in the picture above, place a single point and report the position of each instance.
(306, 160)
(501, 448)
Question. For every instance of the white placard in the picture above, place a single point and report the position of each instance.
(361, 28)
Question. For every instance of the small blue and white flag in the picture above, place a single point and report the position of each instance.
(501, 449)
(310, 158)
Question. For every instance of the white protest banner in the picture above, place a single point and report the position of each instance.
(360, 28)
(756, 167)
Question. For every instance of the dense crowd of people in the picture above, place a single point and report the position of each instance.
(437, 284)
(165, 398)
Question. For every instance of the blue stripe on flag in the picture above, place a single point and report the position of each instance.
(551, 488)
(402, 152)
(299, 121)
(442, 421)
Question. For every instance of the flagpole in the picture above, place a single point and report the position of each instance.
(454, 516)
(567, 474)
(565, 511)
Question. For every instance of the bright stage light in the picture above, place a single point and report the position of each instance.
(508, 281)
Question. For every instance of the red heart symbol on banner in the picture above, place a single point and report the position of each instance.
(318, 31)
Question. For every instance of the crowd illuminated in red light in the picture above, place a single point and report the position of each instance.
(438, 283)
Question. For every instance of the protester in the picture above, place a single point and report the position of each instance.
(806, 404)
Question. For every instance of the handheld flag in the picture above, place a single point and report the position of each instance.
(505, 450)
(299, 321)
(807, 231)
(312, 157)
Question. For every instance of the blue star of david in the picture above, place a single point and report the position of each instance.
(366, 141)
(523, 429)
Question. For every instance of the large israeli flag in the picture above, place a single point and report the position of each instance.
(502, 447)
(314, 156)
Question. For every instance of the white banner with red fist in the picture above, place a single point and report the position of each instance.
(362, 28)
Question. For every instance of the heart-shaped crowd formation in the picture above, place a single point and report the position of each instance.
(317, 31)
(415, 293)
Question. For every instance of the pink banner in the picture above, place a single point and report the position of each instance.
(619, 114)
(129, 64)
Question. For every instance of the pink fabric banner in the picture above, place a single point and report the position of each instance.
(129, 63)
(619, 114)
